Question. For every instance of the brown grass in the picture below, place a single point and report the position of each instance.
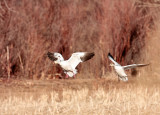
(92, 96)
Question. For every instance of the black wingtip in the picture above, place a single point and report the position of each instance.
(51, 56)
(109, 55)
(92, 54)
(147, 64)
(87, 56)
(49, 53)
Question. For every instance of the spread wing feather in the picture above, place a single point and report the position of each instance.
(112, 59)
(78, 57)
(134, 66)
(51, 56)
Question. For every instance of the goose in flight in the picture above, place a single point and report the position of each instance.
(69, 66)
(120, 69)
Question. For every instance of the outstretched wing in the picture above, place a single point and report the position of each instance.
(134, 65)
(51, 56)
(112, 59)
(78, 57)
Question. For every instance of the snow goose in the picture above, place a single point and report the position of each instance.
(69, 66)
(120, 69)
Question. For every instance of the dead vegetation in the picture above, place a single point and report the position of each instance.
(32, 28)
(86, 97)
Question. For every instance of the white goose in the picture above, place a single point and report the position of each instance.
(120, 69)
(69, 66)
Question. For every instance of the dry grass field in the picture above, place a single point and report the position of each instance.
(103, 96)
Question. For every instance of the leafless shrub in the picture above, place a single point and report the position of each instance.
(32, 28)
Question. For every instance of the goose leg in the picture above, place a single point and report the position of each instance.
(66, 77)
(74, 76)
(118, 79)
